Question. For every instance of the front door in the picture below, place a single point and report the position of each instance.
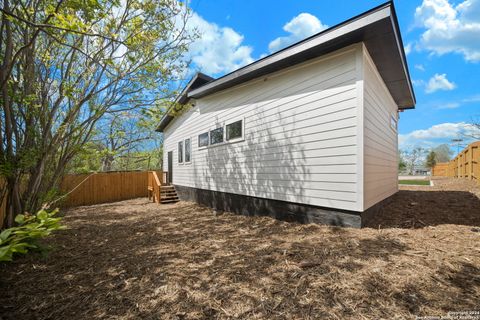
(170, 167)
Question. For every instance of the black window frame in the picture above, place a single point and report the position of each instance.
(227, 138)
(208, 140)
(189, 151)
(222, 129)
(180, 151)
(393, 122)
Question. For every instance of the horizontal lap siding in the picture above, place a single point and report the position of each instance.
(380, 139)
(300, 136)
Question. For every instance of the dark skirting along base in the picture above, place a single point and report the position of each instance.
(282, 210)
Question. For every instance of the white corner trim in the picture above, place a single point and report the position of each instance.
(359, 66)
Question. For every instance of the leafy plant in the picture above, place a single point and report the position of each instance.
(431, 160)
(25, 236)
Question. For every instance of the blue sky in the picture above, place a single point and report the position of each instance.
(441, 39)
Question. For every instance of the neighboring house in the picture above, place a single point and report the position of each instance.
(308, 133)
(418, 170)
(421, 170)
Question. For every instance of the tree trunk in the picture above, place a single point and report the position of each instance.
(34, 186)
(14, 205)
(107, 163)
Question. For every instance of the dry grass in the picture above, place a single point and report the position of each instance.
(135, 259)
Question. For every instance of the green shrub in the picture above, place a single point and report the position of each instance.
(25, 236)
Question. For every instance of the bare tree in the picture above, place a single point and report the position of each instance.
(443, 153)
(123, 139)
(475, 134)
(413, 157)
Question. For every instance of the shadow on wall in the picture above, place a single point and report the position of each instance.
(418, 209)
(268, 166)
(271, 163)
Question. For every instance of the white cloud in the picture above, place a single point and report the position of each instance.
(449, 105)
(453, 104)
(450, 28)
(420, 67)
(437, 134)
(299, 28)
(418, 83)
(408, 48)
(439, 82)
(218, 49)
(472, 99)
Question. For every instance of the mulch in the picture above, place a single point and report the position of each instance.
(449, 201)
(139, 260)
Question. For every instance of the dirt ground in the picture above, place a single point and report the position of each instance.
(449, 201)
(139, 260)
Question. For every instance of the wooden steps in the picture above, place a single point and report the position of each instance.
(160, 192)
(168, 194)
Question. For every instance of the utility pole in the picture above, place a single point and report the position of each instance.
(458, 140)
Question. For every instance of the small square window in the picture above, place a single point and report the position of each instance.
(188, 150)
(180, 152)
(203, 140)
(216, 136)
(234, 130)
(393, 122)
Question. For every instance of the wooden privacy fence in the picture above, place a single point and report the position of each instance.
(440, 169)
(87, 189)
(465, 165)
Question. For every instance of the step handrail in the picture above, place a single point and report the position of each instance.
(157, 181)
(155, 185)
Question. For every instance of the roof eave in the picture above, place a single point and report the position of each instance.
(197, 80)
(349, 32)
(401, 48)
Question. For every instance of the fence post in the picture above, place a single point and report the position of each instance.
(465, 165)
(470, 161)
(459, 164)
(475, 161)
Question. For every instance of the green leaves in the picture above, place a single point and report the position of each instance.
(78, 62)
(20, 219)
(4, 235)
(6, 253)
(42, 215)
(69, 21)
(23, 238)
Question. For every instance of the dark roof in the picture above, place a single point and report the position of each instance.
(377, 28)
(198, 80)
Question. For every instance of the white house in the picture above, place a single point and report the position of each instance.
(308, 133)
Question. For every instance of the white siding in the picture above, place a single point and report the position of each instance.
(380, 138)
(300, 136)
(318, 133)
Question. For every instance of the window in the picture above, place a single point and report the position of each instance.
(180, 152)
(393, 122)
(234, 130)
(203, 140)
(188, 150)
(216, 136)
(230, 132)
